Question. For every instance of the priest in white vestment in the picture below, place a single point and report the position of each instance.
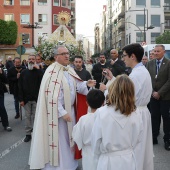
(52, 147)
(82, 130)
(118, 128)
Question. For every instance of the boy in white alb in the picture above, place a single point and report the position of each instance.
(82, 130)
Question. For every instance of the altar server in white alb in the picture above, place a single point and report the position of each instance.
(82, 130)
(52, 147)
(132, 55)
(118, 128)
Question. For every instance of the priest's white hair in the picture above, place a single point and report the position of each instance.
(57, 47)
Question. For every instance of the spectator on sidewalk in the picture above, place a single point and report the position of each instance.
(39, 61)
(144, 60)
(9, 63)
(13, 76)
(98, 69)
(116, 65)
(151, 55)
(29, 84)
(159, 69)
(24, 63)
(3, 113)
(89, 65)
(82, 72)
(1, 64)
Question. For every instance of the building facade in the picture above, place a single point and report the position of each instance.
(125, 22)
(36, 19)
(97, 38)
(21, 12)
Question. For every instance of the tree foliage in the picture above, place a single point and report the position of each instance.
(164, 38)
(8, 32)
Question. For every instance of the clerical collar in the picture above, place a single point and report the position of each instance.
(65, 68)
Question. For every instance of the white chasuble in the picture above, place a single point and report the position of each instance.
(46, 145)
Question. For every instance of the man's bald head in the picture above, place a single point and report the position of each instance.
(114, 54)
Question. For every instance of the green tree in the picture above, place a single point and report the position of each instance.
(8, 32)
(164, 38)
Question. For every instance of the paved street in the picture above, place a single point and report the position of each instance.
(14, 152)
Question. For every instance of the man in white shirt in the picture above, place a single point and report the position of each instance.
(132, 55)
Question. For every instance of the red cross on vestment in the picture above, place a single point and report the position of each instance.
(53, 145)
(47, 91)
(52, 72)
(52, 124)
(55, 82)
(52, 103)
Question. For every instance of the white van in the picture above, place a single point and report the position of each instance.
(148, 48)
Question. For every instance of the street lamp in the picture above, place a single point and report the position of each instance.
(32, 26)
(145, 28)
(132, 24)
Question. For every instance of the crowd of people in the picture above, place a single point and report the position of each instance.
(107, 113)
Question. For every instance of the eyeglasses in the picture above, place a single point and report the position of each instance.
(124, 55)
(63, 54)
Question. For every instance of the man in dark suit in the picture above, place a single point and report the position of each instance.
(13, 76)
(116, 65)
(82, 72)
(159, 69)
(98, 69)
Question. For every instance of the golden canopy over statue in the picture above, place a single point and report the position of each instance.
(63, 18)
(62, 34)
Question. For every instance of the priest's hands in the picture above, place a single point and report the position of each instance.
(102, 87)
(91, 83)
(108, 74)
(67, 118)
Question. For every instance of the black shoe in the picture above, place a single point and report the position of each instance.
(27, 138)
(17, 116)
(7, 128)
(155, 141)
(167, 145)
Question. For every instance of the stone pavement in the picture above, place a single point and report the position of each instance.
(14, 152)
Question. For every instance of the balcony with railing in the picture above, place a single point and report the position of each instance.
(121, 24)
(121, 11)
(167, 23)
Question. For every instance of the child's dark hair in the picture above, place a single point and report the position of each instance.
(95, 98)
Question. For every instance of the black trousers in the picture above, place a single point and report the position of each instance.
(3, 113)
(160, 108)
